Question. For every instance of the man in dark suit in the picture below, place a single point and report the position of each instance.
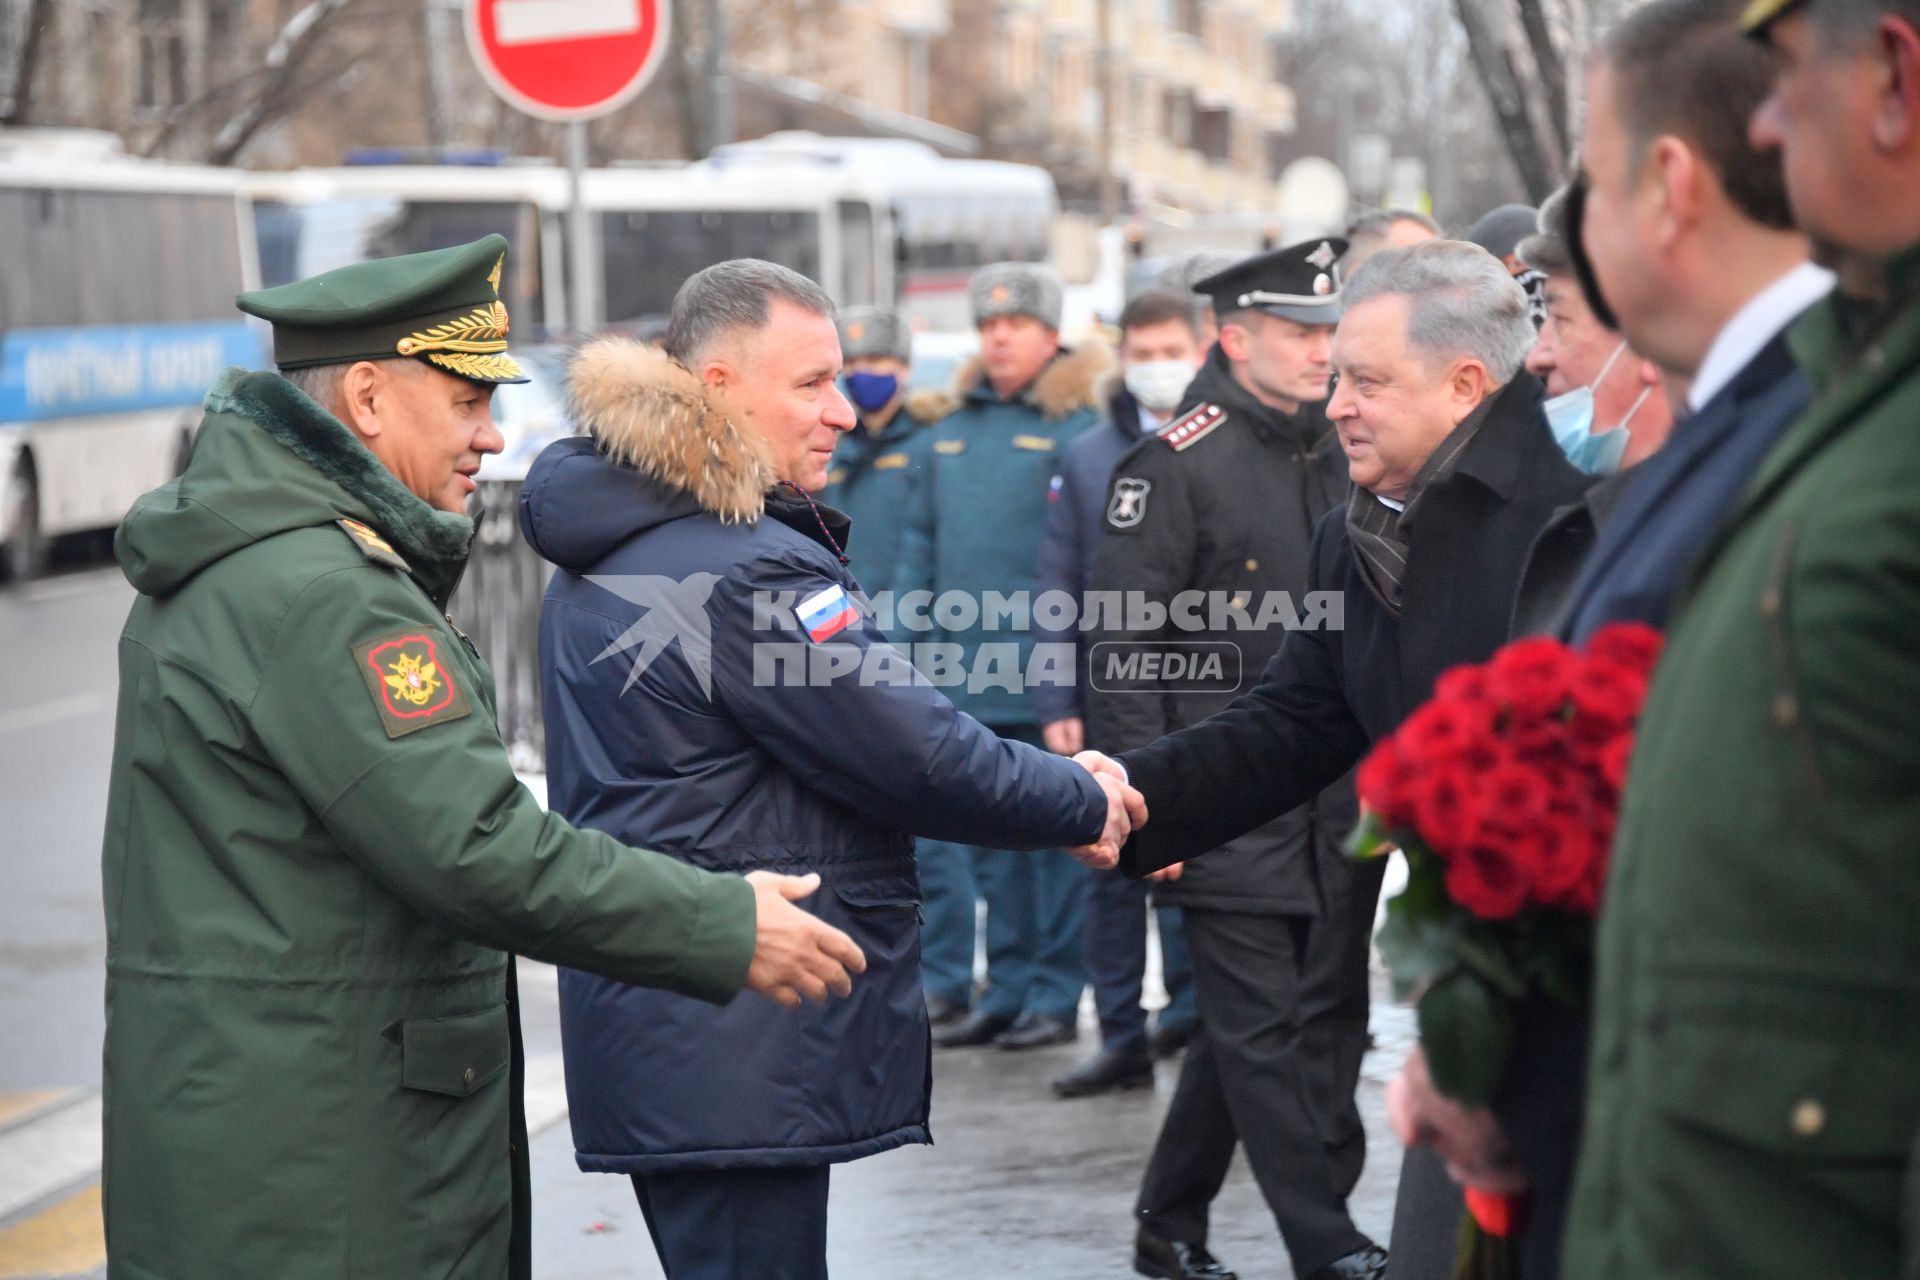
(1454, 471)
(1706, 296)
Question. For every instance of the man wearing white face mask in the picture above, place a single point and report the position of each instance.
(1160, 351)
(1600, 392)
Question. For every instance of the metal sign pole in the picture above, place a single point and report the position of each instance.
(582, 307)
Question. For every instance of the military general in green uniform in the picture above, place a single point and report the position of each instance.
(317, 857)
(1754, 1089)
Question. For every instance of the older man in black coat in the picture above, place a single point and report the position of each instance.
(1454, 472)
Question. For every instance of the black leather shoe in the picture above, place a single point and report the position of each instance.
(979, 1027)
(1172, 1260)
(1369, 1263)
(1035, 1030)
(1169, 1041)
(1107, 1070)
(942, 1011)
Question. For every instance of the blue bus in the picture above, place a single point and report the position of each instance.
(116, 314)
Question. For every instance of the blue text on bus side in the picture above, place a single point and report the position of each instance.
(66, 373)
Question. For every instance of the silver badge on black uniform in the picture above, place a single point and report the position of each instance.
(1129, 504)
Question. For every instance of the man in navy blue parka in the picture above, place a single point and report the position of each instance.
(712, 691)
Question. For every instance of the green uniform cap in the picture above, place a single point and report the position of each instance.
(1761, 14)
(442, 306)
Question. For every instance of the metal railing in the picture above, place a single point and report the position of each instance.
(498, 606)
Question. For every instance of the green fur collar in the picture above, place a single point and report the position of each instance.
(421, 533)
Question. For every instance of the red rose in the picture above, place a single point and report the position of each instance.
(1631, 644)
(1540, 739)
(1385, 784)
(1529, 677)
(1517, 797)
(1487, 882)
(1568, 848)
(1606, 697)
(1613, 761)
(1448, 814)
(1441, 732)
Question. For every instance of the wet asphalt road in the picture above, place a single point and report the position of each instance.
(1019, 1184)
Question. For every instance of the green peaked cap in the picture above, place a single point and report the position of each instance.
(442, 306)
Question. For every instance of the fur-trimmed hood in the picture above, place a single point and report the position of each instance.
(647, 412)
(1073, 381)
(268, 460)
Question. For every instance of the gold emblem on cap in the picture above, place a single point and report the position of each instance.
(493, 276)
(470, 345)
(999, 293)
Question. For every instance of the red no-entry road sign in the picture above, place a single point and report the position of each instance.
(567, 59)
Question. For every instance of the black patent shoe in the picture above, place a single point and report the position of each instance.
(1035, 1031)
(1175, 1260)
(1369, 1263)
(1106, 1071)
(979, 1027)
(1167, 1042)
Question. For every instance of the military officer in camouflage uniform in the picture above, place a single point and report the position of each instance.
(317, 856)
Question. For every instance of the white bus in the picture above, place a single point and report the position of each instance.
(948, 216)
(116, 314)
(655, 227)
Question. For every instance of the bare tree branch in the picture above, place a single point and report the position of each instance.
(297, 39)
(39, 15)
(1508, 95)
(1551, 65)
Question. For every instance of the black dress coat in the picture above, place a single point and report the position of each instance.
(1328, 694)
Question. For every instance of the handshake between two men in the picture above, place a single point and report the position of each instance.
(798, 956)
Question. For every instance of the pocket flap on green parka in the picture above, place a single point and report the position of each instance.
(455, 1055)
(1807, 1087)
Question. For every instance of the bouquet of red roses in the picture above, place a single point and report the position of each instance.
(1503, 791)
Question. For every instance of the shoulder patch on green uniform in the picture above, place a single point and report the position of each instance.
(373, 546)
(411, 686)
(949, 446)
(890, 462)
(1038, 444)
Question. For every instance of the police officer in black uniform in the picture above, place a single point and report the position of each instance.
(1223, 501)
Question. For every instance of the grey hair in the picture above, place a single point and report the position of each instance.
(319, 382)
(1842, 26)
(727, 296)
(1377, 222)
(1461, 302)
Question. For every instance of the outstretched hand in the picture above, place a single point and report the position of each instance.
(795, 955)
(1126, 812)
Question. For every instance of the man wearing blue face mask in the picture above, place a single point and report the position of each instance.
(872, 463)
(1603, 398)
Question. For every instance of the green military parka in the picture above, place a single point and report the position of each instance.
(316, 862)
(1754, 1085)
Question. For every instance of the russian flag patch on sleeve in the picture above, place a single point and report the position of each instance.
(827, 613)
